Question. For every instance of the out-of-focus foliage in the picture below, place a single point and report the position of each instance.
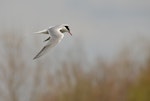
(74, 80)
(140, 91)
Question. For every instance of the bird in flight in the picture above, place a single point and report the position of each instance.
(56, 34)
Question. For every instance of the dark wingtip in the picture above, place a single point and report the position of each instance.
(34, 58)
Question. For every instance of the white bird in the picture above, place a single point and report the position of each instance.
(56, 35)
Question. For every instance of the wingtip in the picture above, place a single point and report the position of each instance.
(45, 31)
(35, 57)
(37, 33)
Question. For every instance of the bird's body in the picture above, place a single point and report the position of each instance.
(56, 35)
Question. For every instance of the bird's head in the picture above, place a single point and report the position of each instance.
(65, 28)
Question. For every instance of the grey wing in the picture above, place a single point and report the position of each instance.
(47, 39)
(45, 31)
(43, 51)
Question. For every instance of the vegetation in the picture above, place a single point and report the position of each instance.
(24, 80)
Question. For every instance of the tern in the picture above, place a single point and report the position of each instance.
(56, 34)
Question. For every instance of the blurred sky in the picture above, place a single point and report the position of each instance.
(103, 26)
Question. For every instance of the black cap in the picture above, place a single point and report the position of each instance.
(67, 27)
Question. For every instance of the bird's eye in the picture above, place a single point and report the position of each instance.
(61, 31)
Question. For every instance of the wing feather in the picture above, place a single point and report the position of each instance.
(45, 31)
(43, 51)
(47, 39)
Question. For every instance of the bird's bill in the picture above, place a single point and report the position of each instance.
(70, 33)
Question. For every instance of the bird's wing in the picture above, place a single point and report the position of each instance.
(45, 31)
(47, 39)
(43, 51)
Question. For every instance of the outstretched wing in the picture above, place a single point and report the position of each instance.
(45, 31)
(43, 51)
